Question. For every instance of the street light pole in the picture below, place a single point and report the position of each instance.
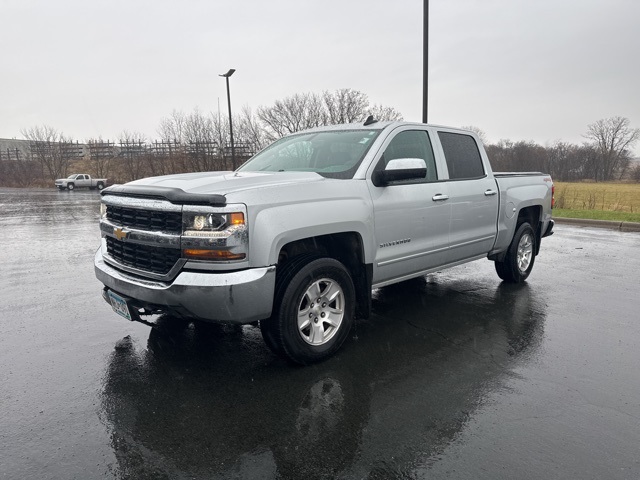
(233, 148)
(425, 63)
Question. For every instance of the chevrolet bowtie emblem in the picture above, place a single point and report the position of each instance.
(120, 233)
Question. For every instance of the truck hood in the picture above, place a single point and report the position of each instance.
(225, 183)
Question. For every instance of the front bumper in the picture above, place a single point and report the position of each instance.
(240, 297)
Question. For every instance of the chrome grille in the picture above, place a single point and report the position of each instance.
(151, 220)
(143, 257)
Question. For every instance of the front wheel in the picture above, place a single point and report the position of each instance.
(71, 186)
(315, 304)
(518, 262)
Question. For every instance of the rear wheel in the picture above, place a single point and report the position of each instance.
(518, 262)
(315, 304)
(100, 186)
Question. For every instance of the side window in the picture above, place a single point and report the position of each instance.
(462, 155)
(411, 144)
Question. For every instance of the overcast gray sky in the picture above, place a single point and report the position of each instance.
(524, 70)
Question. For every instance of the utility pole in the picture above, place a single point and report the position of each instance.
(425, 63)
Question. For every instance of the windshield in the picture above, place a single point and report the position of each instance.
(72, 176)
(334, 154)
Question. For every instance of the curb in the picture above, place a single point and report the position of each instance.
(585, 222)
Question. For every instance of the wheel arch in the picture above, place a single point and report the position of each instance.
(345, 247)
(533, 216)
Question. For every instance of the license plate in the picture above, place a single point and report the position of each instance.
(119, 305)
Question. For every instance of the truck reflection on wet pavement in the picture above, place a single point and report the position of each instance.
(200, 402)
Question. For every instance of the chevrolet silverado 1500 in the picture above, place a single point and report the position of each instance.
(298, 236)
(80, 180)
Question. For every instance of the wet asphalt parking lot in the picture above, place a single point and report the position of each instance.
(454, 376)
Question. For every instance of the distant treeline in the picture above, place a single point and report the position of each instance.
(199, 142)
(565, 162)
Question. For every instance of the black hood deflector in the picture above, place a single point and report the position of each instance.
(173, 195)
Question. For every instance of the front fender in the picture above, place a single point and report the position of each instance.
(276, 226)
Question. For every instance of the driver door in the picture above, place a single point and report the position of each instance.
(411, 218)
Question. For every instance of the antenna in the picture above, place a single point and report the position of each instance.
(369, 120)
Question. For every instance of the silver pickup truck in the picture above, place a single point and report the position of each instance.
(298, 236)
(80, 180)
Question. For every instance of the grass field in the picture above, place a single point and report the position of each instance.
(600, 201)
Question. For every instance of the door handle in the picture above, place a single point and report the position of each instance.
(439, 197)
(490, 193)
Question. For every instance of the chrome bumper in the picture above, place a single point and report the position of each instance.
(235, 297)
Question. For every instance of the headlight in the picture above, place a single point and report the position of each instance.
(214, 235)
(206, 224)
(103, 211)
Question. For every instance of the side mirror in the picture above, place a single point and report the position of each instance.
(400, 169)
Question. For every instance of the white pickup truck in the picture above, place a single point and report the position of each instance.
(80, 180)
(298, 236)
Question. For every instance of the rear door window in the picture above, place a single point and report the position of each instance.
(462, 156)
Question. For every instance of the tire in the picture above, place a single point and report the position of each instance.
(270, 337)
(100, 186)
(302, 329)
(268, 329)
(520, 257)
(71, 186)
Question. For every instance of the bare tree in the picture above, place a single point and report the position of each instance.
(635, 173)
(612, 138)
(133, 152)
(293, 114)
(568, 162)
(521, 156)
(204, 138)
(249, 131)
(16, 168)
(172, 127)
(221, 135)
(382, 113)
(199, 138)
(345, 106)
(166, 157)
(51, 149)
(101, 154)
(499, 155)
(558, 155)
(303, 111)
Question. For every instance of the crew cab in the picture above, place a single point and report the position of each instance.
(297, 237)
(80, 180)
